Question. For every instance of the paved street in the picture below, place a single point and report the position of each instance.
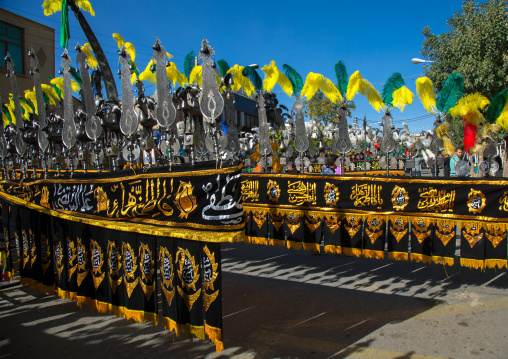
(280, 303)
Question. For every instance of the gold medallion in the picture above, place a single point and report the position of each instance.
(185, 200)
(97, 263)
(167, 272)
(130, 266)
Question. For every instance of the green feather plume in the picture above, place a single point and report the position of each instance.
(452, 91)
(342, 78)
(294, 77)
(496, 106)
(6, 112)
(55, 87)
(251, 73)
(188, 64)
(391, 85)
(75, 74)
(224, 67)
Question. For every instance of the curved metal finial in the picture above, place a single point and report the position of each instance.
(69, 126)
(42, 136)
(265, 147)
(387, 143)
(166, 112)
(301, 139)
(342, 143)
(212, 104)
(129, 120)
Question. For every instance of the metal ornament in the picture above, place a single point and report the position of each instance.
(21, 145)
(166, 112)
(387, 143)
(301, 140)
(265, 146)
(69, 126)
(212, 104)
(233, 143)
(129, 119)
(342, 143)
(93, 127)
(42, 136)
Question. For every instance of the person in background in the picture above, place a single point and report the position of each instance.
(330, 164)
(453, 161)
(291, 169)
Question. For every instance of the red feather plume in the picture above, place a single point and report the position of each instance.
(470, 132)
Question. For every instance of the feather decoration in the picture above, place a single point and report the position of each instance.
(58, 90)
(448, 146)
(341, 74)
(131, 50)
(6, 116)
(52, 6)
(240, 81)
(27, 107)
(196, 75)
(273, 76)
(119, 40)
(394, 82)
(452, 91)
(502, 120)
(469, 136)
(90, 58)
(30, 95)
(148, 74)
(469, 108)
(426, 94)
(354, 84)
(497, 106)
(175, 76)
(373, 95)
(315, 82)
(402, 97)
(293, 77)
(58, 83)
(251, 73)
(50, 92)
(11, 107)
(223, 66)
(75, 74)
(443, 132)
(86, 6)
(188, 64)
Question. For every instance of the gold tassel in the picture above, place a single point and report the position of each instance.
(351, 252)
(368, 253)
(493, 263)
(472, 263)
(333, 249)
(398, 256)
(311, 247)
(418, 257)
(295, 245)
(170, 325)
(215, 335)
(443, 260)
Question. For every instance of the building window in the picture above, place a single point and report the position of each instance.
(11, 40)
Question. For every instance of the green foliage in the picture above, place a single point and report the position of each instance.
(321, 109)
(476, 46)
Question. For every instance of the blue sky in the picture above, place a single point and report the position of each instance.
(376, 38)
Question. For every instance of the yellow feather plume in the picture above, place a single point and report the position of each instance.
(90, 58)
(402, 97)
(51, 6)
(443, 132)
(469, 107)
(147, 74)
(10, 108)
(273, 76)
(119, 40)
(175, 76)
(426, 94)
(131, 50)
(86, 6)
(353, 86)
(5, 119)
(373, 95)
(240, 81)
(30, 96)
(51, 93)
(502, 120)
(196, 75)
(27, 110)
(315, 82)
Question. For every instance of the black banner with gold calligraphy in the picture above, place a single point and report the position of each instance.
(495, 245)
(422, 234)
(472, 246)
(443, 243)
(9, 269)
(351, 235)
(398, 238)
(46, 253)
(212, 292)
(275, 227)
(374, 237)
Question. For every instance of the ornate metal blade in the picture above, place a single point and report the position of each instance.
(92, 126)
(387, 143)
(166, 112)
(212, 103)
(342, 143)
(301, 140)
(42, 136)
(233, 141)
(21, 146)
(129, 120)
(69, 127)
(265, 147)
(107, 74)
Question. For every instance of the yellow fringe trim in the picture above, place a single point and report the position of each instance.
(443, 260)
(499, 263)
(191, 330)
(170, 325)
(333, 249)
(140, 316)
(26, 281)
(258, 240)
(368, 253)
(246, 239)
(417, 257)
(352, 252)
(100, 307)
(83, 300)
(295, 245)
(215, 335)
(398, 256)
(311, 247)
(472, 263)
(47, 289)
(277, 242)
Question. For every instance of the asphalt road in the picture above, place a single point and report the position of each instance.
(280, 303)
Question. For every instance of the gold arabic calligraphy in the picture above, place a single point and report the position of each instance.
(300, 192)
(432, 200)
(366, 195)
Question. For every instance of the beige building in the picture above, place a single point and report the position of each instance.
(17, 36)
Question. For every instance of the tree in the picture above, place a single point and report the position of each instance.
(321, 109)
(476, 47)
